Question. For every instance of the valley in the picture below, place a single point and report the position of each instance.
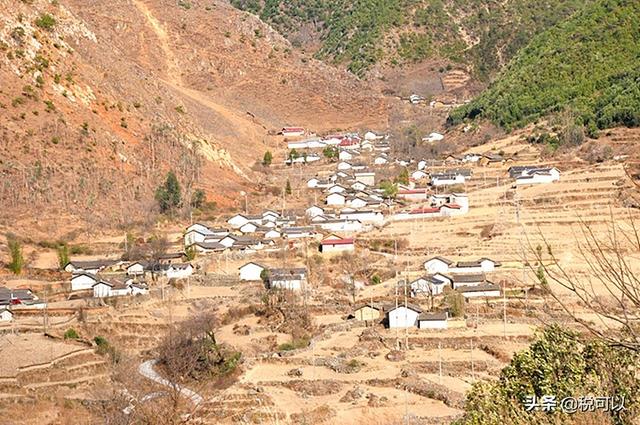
(314, 212)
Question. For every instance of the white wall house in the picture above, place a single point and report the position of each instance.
(413, 195)
(345, 156)
(419, 175)
(5, 315)
(468, 279)
(433, 137)
(336, 199)
(207, 247)
(450, 210)
(461, 199)
(403, 317)
(359, 186)
(105, 288)
(135, 269)
(538, 176)
(488, 265)
(292, 283)
(427, 286)
(432, 321)
(237, 221)
(314, 211)
(338, 225)
(270, 215)
(369, 216)
(179, 271)
(272, 234)
(368, 178)
(380, 160)
(444, 180)
(437, 265)
(248, 227)
(483, 265)
(336, 188)
(344, 166)
(357, 202)
(83, 281)
(292, 131)
(251, 271)
(487, 290)
(198, 227)
(334, 243)
(370, 135)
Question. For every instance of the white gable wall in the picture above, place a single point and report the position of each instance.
(250, 271)
(82, 282)
(436, 265)
(403, 317)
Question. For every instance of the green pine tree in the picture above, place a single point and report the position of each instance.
(63, 255)
(15, 252)
(267, 158)
(169, 195)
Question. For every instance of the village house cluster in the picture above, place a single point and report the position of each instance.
(14, 299)
(354, 191)
(114, 278)
(468, 278)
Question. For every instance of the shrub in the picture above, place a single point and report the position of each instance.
(71, 334)
(198, 198)
(294, 344)
(191, 253)
(558, 363)
(287, 188)
(50, 107)
(455, 303)
(45, 21)
(403, 177)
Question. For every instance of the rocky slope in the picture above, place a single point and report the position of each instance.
(100, 99)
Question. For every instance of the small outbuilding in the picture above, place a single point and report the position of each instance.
(433, 320)
(368, 312)
(403, 317)
(251, 271)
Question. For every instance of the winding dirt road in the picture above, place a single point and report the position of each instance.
(146, 369)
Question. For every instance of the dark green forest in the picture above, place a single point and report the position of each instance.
(360, 33)
(588, 66)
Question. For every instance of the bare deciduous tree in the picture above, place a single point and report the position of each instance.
(609, 286)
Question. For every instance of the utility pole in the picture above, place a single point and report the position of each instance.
(397, 340)
(504, 308)
(473, 370)
(45, 321)
(406, 310)
(439, 362)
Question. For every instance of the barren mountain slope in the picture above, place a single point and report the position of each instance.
(99, 99)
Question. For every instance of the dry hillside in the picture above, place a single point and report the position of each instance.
(100, 99)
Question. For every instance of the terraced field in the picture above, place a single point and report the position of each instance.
(35, 366)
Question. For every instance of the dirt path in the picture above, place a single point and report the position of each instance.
(146, 369)
(241, 123)
(173, 71)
